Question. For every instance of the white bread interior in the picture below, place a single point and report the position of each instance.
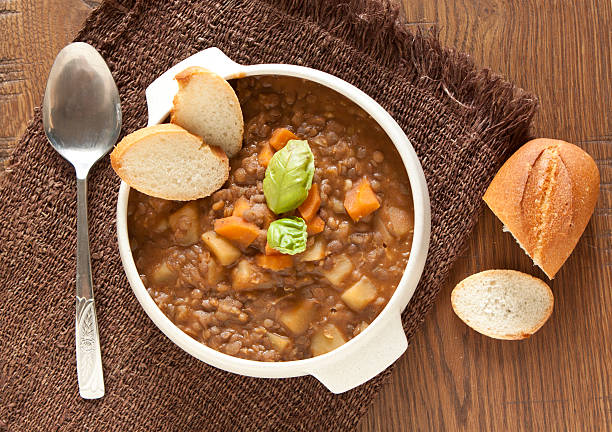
(545, 195)
(207, 106)
(503, 304)
(166, 161)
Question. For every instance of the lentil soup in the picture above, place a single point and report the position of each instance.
(228, 288)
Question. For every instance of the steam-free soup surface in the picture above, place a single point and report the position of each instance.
(233, 298)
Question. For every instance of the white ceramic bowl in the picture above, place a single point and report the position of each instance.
(384, 340)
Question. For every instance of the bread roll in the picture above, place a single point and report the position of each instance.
(545, 194)
(503, 304)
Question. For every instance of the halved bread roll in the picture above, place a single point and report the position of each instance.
(207, 106)
(503, 304)
(166, 161)
(545, 195)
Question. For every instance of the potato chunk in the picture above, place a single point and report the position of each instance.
(161, 226)
(185, 224)
(247, 276)
(326, 339)
(163, 274)
(398, 221)
(225, 252)
(278, 342)
(316, 252)
(214, 274)
(340, 270)
(298, 318)
(361, 294)
(381, 226)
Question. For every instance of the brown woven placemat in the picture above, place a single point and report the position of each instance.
(463, 123)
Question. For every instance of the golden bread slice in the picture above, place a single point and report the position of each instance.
(166, 161)
(207, 106)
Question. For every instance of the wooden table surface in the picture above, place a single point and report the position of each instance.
(452, 378)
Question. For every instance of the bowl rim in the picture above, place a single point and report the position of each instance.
(396, 304)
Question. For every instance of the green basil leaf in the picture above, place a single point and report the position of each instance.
(288, 235)
(289, 177)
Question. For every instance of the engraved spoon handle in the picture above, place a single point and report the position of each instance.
(88, 354)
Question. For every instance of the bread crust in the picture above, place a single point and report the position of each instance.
(139, 134)
(545, 195)
(519, 335)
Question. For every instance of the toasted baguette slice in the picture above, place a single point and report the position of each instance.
(545, 195)
(166, 161)
(503, 304)
(207, 106)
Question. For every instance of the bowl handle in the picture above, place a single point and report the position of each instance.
(160, 92)
(357, 363)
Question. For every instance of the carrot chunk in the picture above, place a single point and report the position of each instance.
(274, 262)
(315, 226)
(310, 206)
(271, 251)
(240, 206)
(265, 154)
(279, 138)
(361, 200)
(237, 229)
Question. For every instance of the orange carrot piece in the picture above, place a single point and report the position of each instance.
(240, 206)
(361, 200)
(265, 154)
(315, 226)
(271, 251)
(279, 138)
(274, 262)
(310, 206)
(237, 229)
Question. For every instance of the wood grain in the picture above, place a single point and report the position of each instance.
(452, 378)
(32, 32)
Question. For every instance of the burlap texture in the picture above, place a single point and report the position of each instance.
(462, 121)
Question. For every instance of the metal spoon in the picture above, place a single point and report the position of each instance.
(82, 120)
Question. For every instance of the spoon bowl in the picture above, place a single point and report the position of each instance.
(81, 109)
(82, 120)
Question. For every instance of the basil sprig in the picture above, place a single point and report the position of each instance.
(289, 176)
(288, 235)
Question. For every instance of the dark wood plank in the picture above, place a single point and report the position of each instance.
(33, 31)
(452, 378)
